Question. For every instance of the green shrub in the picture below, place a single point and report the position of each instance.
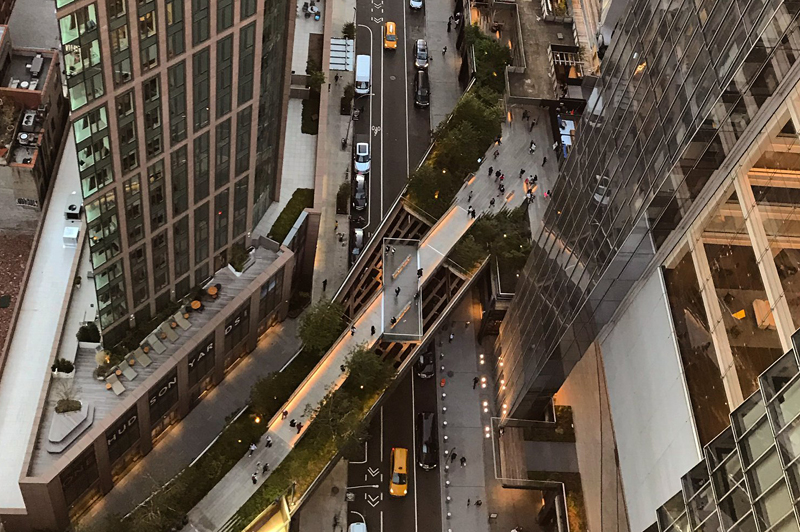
(309, 123)
(88, 332)
(301, 199)
(321, 325)
(349, 30)
(67, 405)
(63, 365)
(239, 257)
(491, 59)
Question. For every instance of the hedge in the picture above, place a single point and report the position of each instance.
(302, 198)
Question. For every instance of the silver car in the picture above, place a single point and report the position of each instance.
(421, 54)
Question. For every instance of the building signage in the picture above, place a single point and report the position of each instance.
(236, 322)
(127, 423)
(164, 388)
(205, 349)
(163, 396)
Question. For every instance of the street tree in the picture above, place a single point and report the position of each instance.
(366, 372)
(321, 325)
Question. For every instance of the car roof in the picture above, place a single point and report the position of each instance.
(358, 527)
(422, 43)
(390, 26)
(400, 454)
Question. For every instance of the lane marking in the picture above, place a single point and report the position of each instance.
(373, 472)
(436, 250)
(383, 97)
(364, 486)
(414, 452)
(405, 76)
(373, 500)
(360, 515)
(366, 456)
(381, 438)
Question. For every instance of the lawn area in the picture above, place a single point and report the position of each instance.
(302, 198)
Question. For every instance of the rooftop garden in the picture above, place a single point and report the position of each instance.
(302, 198)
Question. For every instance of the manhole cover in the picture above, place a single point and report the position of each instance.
(450, 374)
(334, 490)
(350, 497)
(392, 78)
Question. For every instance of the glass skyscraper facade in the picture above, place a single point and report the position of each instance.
(681, 82)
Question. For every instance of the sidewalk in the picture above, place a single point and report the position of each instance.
(443, 69)
(198, 429)
(236, 487)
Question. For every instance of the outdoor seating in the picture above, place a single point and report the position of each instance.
(171, 335)
(129, 372)
(155, 343)
(115, 383)
(181, 321)
(142, 358)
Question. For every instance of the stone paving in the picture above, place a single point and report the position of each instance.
(402, 261)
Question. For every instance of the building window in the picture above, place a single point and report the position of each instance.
(243, 123)
(160, 261)
(247, 46)
(180, 239)
(149, 56)
(221, 220)
(138, 261)
(125, 105)
(177, 102)
(240, 207)
(179, 177)
(201, 85)
(201, 234)
(222, 142)
(91, 123)
(82, 56)
(115, 8)
(248, 8)
(122, 71)
(150, 88)
(175, 39)
(147, 25)
(201, 167)
(224, 75)
(119, 39)
(224, 15)
(200, 21)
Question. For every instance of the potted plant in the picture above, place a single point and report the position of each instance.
(62, 367)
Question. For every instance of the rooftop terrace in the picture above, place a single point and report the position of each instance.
(35, 332)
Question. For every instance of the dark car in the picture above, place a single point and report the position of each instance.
(427, 440)
(360, 193)
(422, 89)
(424, 364)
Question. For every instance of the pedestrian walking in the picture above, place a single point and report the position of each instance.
(453, 456)
(284, 414)
(299, 427)
(324, 284)
(475, 381)
(336, 226)
(388, 248)
(502, 177)
(478, 502)
(498, 139)
(491, 169)
(535, 178)
(419, 273)
(497, 175)
(544, 161)
(450, 341)
(463, 461)
(469, 197)
(393, 250)
(254, 478)
(265, 468)
(491, 202)
(496, 153)
(269, 442)
(352, 330)
(397, 291)
(444, 50)
(532, 147)
(473, 214)
(372, 330)
(343, 368)
(467, 503)
(258, 466)
(525, 114)
(501, 431)
(548, 194)
(448, 26)
(393, 321)
(521, 172)
(252, 449)
(502, 189)
(293, 423)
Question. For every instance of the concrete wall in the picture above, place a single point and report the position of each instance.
(650, 408)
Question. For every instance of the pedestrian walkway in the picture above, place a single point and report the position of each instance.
(474, 492)
(178, 448)
(236, 487)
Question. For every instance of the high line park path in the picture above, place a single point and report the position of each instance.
(423, 258)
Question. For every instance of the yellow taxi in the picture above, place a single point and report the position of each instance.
(390, 36)
(398, 485)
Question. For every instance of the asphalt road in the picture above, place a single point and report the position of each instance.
(394, 426)
(399, 132)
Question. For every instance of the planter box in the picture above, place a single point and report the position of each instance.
(62, 375)
(88, 345)
(249, 262)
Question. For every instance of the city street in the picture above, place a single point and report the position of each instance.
(392, 427)
(399, 132)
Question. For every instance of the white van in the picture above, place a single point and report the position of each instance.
(363, 74)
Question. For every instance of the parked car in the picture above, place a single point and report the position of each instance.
(422, 89)
(421, 53)
(358, 244)
(427, 440)
(390, 36)
(424, 364)
(398, 483)
(360, 192)
(361, 154)
(602, 194)
(415, 4)
(357, 527)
